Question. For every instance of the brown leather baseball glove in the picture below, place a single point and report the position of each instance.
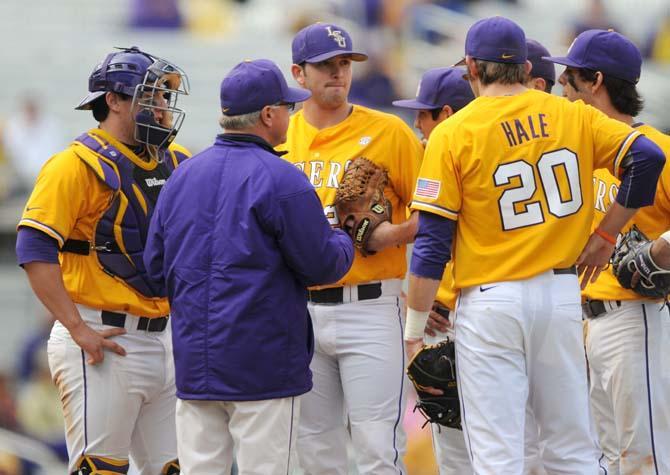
(360, 202)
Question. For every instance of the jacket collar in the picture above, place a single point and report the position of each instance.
(248, 138)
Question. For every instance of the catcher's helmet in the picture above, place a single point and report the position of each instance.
(152, 82)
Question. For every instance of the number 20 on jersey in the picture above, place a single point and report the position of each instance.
(558, 173)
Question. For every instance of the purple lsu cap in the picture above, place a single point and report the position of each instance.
(606, 51)
(496, 39)
(440, 87)
(252, 85)
(322, 41)
(541, 67)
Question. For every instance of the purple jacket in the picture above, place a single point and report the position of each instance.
(237, 236)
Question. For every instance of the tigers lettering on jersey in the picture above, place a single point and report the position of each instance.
(516, 173)
(323, 155)
(652, 220)
(321, 174)
(605, 189)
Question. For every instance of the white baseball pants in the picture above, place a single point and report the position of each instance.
(451, 453)
(359, 387)
(520, 343)
(262, 434)
(628, 349)
(122, 406)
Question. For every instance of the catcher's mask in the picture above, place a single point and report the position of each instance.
(154, 85)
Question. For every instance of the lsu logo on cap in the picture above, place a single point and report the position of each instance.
(337, 37)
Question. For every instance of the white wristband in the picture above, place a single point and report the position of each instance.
(415, 324)
(666, 236)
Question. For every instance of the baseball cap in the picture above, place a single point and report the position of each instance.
(322, 41)
(496, 39)
(606, 51)
(541, 68)
(252, 85)
(440, 87)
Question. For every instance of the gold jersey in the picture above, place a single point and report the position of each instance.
(516, 173)
(66, 203)
(323, 155)
(652, 220)
(447, 293)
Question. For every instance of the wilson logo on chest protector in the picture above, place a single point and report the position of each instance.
(151, 182)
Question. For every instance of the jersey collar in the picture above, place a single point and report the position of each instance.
(127, 152)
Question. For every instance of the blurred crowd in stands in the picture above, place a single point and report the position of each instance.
(29, 137)
(29, 403)
(27, 140)
(28, 399)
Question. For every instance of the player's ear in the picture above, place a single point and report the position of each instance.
(113, 101)
(528, 67)
(446, 112)
(472, 68)
(298, 73)
(598, 83)
(266, 116)
(540, 84)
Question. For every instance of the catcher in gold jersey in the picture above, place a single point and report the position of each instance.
(357, 321)
(81, 239)
(627, 342)
(508, 177)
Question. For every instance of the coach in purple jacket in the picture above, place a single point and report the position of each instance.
(237, 236)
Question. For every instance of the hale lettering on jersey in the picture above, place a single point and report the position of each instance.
(322, 174)
(605, 194)
(519, 131)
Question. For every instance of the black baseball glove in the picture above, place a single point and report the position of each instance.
(631, 255)
(435, 366)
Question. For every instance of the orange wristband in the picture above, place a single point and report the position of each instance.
(607, 237)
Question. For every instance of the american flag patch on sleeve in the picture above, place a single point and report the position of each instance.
(427, 188)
